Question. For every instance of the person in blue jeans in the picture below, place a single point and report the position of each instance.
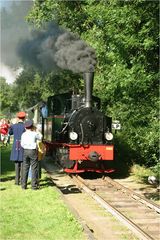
(30, 157)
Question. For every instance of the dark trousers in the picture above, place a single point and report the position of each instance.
(18, 170)
(30, 158)
(39, 170)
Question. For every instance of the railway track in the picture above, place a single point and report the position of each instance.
(140, 215)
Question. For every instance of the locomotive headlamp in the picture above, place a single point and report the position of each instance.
(73, 135)
(108, 136)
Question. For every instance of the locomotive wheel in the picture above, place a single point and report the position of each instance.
(64, 161)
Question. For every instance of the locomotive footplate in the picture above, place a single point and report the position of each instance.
(97, 158)
(85, 152)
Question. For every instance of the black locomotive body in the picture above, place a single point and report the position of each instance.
(78, 133)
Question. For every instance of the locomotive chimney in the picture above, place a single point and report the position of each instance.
(88, 79)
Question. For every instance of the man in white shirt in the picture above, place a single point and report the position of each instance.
(29, 144)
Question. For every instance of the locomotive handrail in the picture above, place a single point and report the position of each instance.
(75, 145)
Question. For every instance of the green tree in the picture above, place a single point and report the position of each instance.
(125, 36)
(33, 86)
(8, 103)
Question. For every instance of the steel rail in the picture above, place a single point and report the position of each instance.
(134, 195)
(121, 217)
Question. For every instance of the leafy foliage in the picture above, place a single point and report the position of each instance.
(33, 86)
(125, 36)
(8, 105)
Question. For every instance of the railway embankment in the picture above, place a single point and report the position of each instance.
(62, 208)
(100, 202)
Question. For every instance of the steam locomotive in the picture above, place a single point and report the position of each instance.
(77, 133)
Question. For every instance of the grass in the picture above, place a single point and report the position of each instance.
(33, 215)
(141, 173)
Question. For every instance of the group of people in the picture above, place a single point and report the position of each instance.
(4, 135)
(24, 151)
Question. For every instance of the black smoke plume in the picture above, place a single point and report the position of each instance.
(13, 28)
(55, 47)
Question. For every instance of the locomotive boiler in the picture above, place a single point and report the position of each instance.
(77, 133)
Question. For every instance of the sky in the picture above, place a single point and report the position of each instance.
(9, 73)
(13, 29)
(51, 47)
